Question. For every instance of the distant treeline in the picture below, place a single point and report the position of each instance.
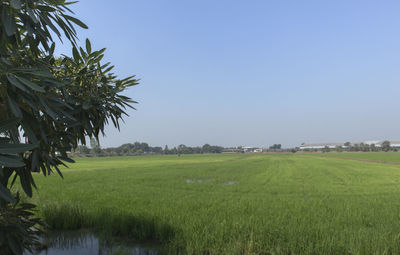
(139, 148)
(361, 147)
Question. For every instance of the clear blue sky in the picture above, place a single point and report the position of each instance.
(252, 72)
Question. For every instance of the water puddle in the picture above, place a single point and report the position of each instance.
(228, 183)
(87, 243)
(190, 181)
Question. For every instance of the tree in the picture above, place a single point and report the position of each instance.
(183, 149)
(156, 149)
(206, 148)
(339, 148)
(95, 145)
(210, 149)
(386, 146)
(347, 145)
(275, 147)
(355, 147)
(364, 147)
(326, 149)
(173, 151)
(83, 149)
(53, 102)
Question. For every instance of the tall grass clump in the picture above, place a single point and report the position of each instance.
(64, 216)
(106, 222)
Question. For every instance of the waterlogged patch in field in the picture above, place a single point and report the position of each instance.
(270, 204)
(189, 181)
(87, 243)
(228, 183)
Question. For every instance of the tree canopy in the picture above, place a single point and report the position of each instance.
(48, 104)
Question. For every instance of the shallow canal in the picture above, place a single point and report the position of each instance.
(87, 243)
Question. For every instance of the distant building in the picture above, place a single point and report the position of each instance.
(252, 149)
(244, 149)
(395, 144)
(375, 143)
(318, 146)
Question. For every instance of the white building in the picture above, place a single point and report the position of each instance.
(319, 146)
(252, 149)
(376, 143)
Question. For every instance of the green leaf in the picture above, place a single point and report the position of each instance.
(6, 194)
(30, 84)
(48, 110)
(8, 22)
(83, 54)
(76, 55)
(46, 8)
(76, 21)
(58, 171)
(14, 245)
(16, 148)
(8, 124)
(88, 46)
(52, 48)
(29, 133)
(8, 161)
(66, 159)
(25, 180)
(11, 78)
(14, 108)
(41, 73)
(32, 15)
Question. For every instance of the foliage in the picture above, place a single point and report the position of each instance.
(83, 149)
(386, 146)
(53, 102)
(138, 148)
(18, 227)
(326, 149)
(275, 147)
(211, 149)
(339, 148)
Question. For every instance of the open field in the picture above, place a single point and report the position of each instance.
(380, 157)
(232, 204)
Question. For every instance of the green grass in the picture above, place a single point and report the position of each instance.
(279, 204)
(383, 157)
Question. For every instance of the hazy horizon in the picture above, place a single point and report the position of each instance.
(252, 73)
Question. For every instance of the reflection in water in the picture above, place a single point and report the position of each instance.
(190, 181)
(86, 243)
(228, 183)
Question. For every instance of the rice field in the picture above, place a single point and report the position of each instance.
(379, 157)
(233, 203)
